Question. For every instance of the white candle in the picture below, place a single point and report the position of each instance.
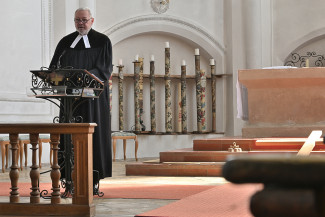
(137, 57)
(307, 63)
(152, 58)
(183, 63)
(167, 44)
(120, 62)
(197, 51)
(211, 62)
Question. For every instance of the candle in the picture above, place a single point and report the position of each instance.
(197, 51)
(211, 62)
(183, 63)
(137, 57)
(307, 63)
(167, 44)
(152, 58)
(120, 62)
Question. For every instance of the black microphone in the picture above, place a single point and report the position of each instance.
(58, 65)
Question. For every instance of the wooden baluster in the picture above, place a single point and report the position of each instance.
(55, 173)
(34, 172)
(14, 172)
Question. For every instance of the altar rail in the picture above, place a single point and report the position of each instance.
(82, 199)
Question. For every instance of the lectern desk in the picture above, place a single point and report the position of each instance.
(70, 88)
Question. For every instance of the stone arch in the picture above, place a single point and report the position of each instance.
(171, 25)
(303, 41)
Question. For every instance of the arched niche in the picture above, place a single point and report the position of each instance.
(311, 42)
(172, 28)
(146, 36)
(312, 49)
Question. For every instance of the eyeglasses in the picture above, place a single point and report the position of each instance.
(83, 21)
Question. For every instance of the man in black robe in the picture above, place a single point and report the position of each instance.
(91, 50)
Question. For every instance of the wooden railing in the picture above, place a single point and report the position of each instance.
(82, 176)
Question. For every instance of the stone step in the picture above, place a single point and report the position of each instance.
(189, 155)
(179, 168)
(222, 144)
(205, 169)
(286, 144)
(207, 156)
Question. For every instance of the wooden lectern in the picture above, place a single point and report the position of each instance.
(71, 87)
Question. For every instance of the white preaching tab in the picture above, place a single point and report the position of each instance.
(75, 42)
(85, 39)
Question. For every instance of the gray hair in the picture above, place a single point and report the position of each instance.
(84, 9)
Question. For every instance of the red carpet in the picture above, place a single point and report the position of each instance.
(124, 190)
(226, 200)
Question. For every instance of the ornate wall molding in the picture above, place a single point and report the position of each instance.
(149, 23)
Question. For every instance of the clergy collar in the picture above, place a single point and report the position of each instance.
(85, 39)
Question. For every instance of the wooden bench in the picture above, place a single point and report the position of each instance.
(125, 136)
(23, 143)
(4, 143)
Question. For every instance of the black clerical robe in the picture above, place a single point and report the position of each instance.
(97, 60)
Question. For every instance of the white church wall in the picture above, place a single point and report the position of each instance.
(24, 46)
(295, 24)
(206, 14)
(21, 50)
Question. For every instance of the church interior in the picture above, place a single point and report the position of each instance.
(219, 102)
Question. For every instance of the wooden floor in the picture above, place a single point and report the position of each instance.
(207, 156)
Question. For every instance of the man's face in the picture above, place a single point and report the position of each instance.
(83, 22)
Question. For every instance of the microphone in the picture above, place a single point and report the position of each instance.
(58, 65)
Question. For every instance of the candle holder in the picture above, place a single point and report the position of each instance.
(214, 95)
(183, 90)
(137, 127)
(179, 107)
(202, 100)
(198, 92)
(120, 98)
(152, 97)
(143, 128)
(168, 103)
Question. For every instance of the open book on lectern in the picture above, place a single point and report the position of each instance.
(66, 82)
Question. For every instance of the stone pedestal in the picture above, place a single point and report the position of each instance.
(284, 102)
